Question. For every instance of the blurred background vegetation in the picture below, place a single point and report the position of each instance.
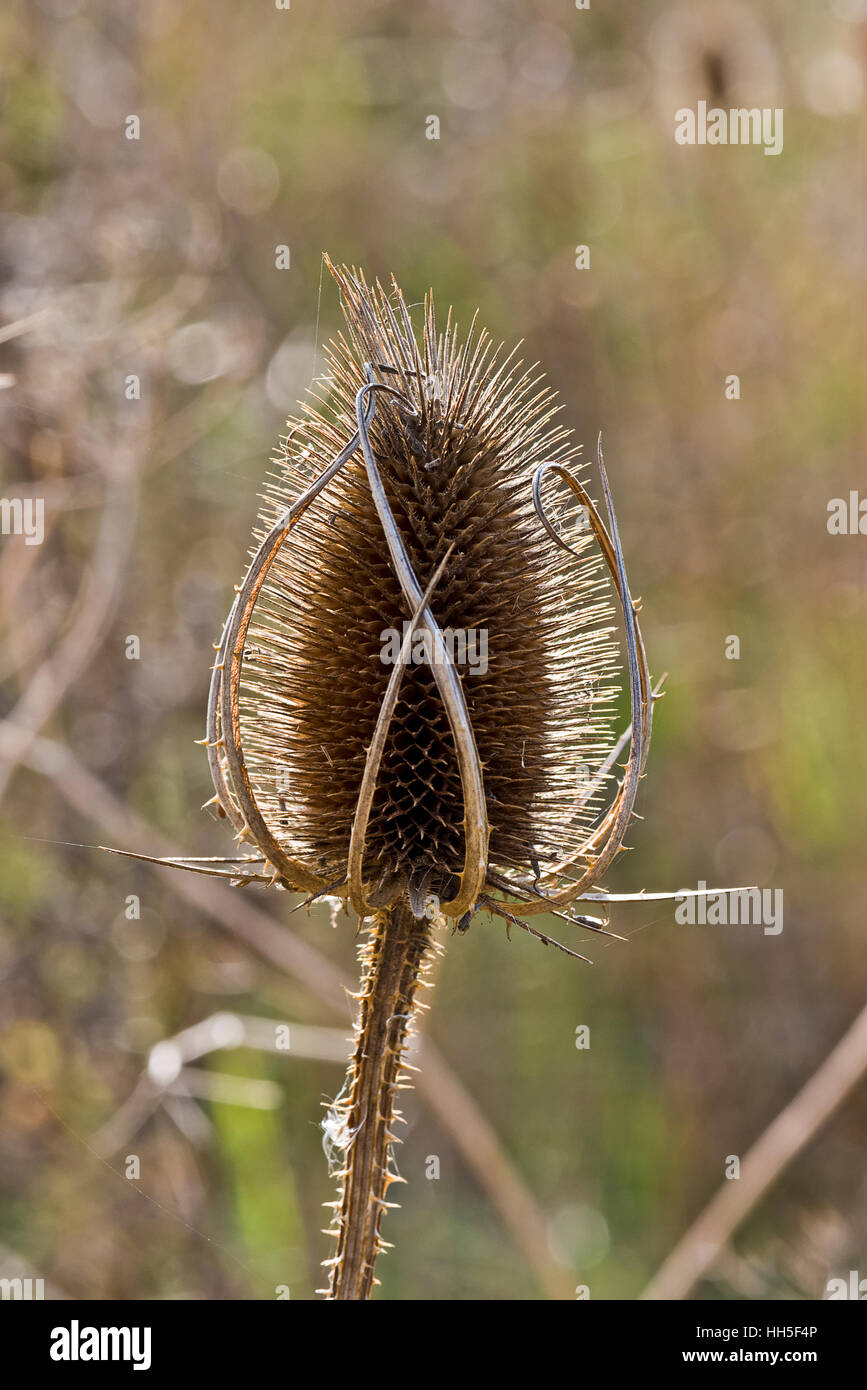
(156, 257)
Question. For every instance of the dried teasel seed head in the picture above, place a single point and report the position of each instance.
(458, 431)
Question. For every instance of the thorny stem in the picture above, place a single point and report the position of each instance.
(395, 957)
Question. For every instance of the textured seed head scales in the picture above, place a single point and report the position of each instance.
(456, 468)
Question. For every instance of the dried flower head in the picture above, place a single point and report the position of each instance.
(413, 696)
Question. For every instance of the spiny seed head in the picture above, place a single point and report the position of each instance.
(456, 452)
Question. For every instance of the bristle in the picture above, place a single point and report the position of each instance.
(456, 458)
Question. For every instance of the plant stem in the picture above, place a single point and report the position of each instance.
(361, 1124)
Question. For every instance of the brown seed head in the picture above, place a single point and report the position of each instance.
(456, 452)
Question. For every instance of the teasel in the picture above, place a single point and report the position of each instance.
(415, 494)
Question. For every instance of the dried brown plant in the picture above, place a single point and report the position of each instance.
(408, 498)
